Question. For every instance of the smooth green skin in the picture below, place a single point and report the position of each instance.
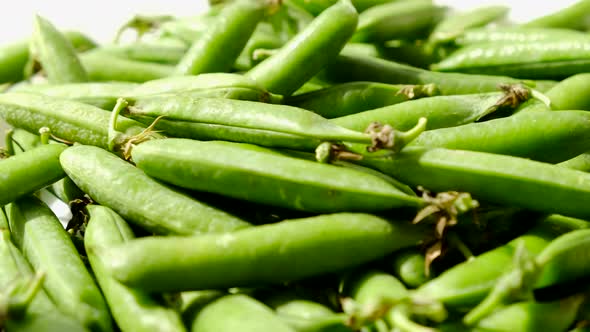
(374, 286)
(66, 190)
(30, 171)
(102, 95)
(573, 93)
(572, 17)
(532, 316)
(410, 267)
(26, 141)
(146, 51)
(264, 37)
(3, 220)
(314, 7)
(441, 112)
(56, 54)
(454, 25)
(354, 97)
(515, 34)
(396, 20)
(132, 309)
(238, 313)
(219, 46)
(280, 180)
(552, 59)
(102, 67)
(580, 163)
(302, 308)
(550, 137)
(49, 248)
(246, 114)
(69, 120)
(347, 68)
(500, 179)
(414, 53)
(193, 302)
(467, 283)
(138, 198)
(309, 51)
(267, 254)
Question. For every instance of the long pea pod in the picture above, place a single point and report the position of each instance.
(48, 248)
(55, 53)
(113, 182)
(133, 310)
(572, 17)
(554, 136)
(102, 67)
(515, 34)
(354, 97)
(316, 45)
(30, 171)
(347, 240)
(571, 93)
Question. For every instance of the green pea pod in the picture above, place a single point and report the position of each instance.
(194, 301)
(281, 181)
(350, 98)
(48, 248)
(580, 163)
(552, 59)
(396, 20)
(264, 37)
(144, 51)
(414, 53)
(117, 184)
(336, 241)
(454, 25)
(373, 287)
(102, 67)
(530, 184)
(238, 313)
(315, 46)
(358, 68)
(56, 54)
(66, 190)
(30, 171)
(532, 316)
(571, 93)
(23, 140)
(68, 120)
(457, 287)
(3, 220)
(315, 7)
(133, 310)
(410, 267)
(441, 112)
(556, 136)
(572, 17)
(515, 35)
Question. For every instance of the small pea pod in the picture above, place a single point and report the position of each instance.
(238, 313)
(102, 67)
(396, 20)
(30, 171)
(55, 53)
(572, 17)
(350, 98)
(133, 310)
(515, 35)
(337, 241)
(571, 93)
(280, 180)
(48, 247)
(316, 45)
(91, 168)
(410, 267)
(146, 51)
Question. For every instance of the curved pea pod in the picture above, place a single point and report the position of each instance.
(133, 309)
(516, 34)
(68, 120)
(335, 241)
(467, 283)
(30, 171)
(238, 313)
(102, 67)
(55, 53)
(348, 67)
(281, 181)
(553, 137)
(530, 184)
(454, 25)
(130, 192)
(146, 51)
(396, 20)
(571, 93)
(219, 46)
(354, 97)
(441, 112)
(410, 267)
(573, 17)
(315, 46)
(532, 316)
(102, 95)
(48, 248)
(580, 162)
(552, 59)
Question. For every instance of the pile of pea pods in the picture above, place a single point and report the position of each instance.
(299, 166)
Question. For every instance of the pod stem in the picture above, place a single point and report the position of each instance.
(418, 91)
(385, 137)
(142, 24)
(18, 296)
(400, 319)
(514, 96)
(113, 135)
(515, 284)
